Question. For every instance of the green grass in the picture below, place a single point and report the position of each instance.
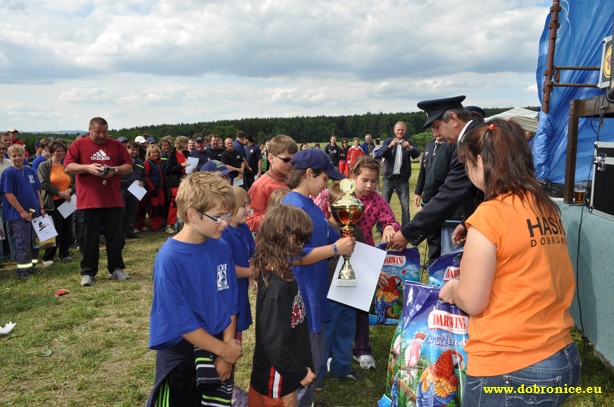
(90, 347)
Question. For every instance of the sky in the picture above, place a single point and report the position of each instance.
(147, 62)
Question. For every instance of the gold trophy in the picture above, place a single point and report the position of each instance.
(348, 210)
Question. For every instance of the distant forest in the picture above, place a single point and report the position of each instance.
(302, 129)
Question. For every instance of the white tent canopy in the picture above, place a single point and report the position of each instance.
(524, 117)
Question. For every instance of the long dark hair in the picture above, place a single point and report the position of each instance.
(508, 163)
(280, 240)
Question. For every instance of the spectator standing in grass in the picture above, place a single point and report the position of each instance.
(233, 160)
(333, 151)
(4, 164)
(343, 158)
(398, 153)
(200, 152)
(175, 172)
(57, 187)
(253, 157)
(368, 146)
(98, 162)
(155, 185)
(21, 202)
(354, 153)
(194, 308)
(42, 152)
(131, 203)
(282, 362)
(216, 148)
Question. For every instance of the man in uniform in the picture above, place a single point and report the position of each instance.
(452, 121)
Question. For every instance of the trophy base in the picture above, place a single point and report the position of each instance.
(346, 283)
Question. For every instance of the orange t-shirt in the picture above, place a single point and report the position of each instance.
(527, 319)
(59, 179)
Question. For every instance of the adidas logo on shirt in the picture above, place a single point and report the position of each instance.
(100, 156)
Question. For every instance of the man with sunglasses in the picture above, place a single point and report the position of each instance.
(280, 152)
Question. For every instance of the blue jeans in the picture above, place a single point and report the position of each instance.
(401, 186)
(557, 372)
(338, 338)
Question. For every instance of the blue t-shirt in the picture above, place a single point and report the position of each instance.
(242, 245)
(313, 279)
(24, 184)
(238, 147)
(195, 286)
(37, 161)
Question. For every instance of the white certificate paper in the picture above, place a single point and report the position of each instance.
(68, 207)
(44, 228)
(192, 163)
(367, 262)
(137, 190)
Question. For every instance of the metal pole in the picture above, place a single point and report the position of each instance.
(549, 72)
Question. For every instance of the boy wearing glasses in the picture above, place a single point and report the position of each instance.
(280, 152)
(195, 303)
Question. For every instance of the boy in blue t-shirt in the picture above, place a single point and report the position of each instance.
(193, 314)
(21, 202)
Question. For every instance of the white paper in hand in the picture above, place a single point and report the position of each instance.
(367, 262)
(192, 163)
(137, 190)
(68, 207)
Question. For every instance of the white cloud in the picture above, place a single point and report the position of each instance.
(180, 60)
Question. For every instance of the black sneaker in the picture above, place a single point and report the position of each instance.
(352, 377)
(318, 385)
(22, 275)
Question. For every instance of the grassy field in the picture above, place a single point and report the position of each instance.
(90, 347)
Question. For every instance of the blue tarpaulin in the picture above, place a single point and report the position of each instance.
(583, 26)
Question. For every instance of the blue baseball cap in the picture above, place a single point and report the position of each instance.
(122, 139)
(215, 166)
(316, 160)
(151, 140)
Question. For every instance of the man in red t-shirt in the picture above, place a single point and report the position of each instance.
(98, 162)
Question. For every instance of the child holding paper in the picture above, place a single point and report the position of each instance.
(21, 202)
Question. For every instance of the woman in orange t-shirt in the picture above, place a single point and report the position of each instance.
(57, 187)
(516, 278)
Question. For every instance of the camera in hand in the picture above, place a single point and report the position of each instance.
(105, 170)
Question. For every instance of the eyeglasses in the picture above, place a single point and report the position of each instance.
(284, 159)
(217, 219)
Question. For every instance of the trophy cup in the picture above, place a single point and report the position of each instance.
(348, 210)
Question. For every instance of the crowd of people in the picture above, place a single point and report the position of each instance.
(242, 214)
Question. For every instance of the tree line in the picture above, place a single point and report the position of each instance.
(302, 129)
